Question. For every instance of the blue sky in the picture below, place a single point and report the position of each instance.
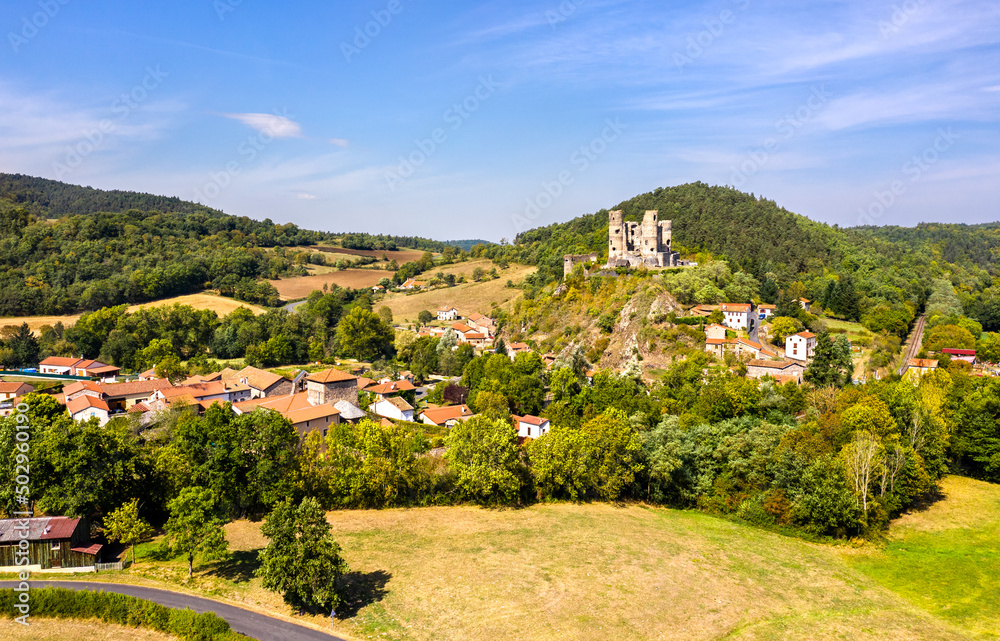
(456, 120)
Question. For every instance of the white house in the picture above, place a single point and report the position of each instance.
(83, 408)
(800, 346)
(447, 313)
(58, 365)
(394, 408)
(531, 426)
(736, 315)
(767, 310)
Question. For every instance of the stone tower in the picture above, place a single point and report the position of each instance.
(616, 236)
(650, 246)
(647, 243)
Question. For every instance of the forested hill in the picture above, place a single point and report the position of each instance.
(954, 243)
(750, 232)
(53, 199)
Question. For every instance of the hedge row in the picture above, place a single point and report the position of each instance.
(110, 607)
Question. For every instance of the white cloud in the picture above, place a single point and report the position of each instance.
(340, 142)
(273, 124)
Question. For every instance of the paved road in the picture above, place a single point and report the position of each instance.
(252, 624)
(915, 341)
(754, 324)
(291, 306)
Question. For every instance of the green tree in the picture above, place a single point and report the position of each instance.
(385, 314)
(424, 317)
(782, 327)
(194, 527)
(832, 363)
(171, 369)
(23, 346)
(125, 526)
(302, 561)
(157, 351)
(483, 452)
(363, 335)
(953, 336)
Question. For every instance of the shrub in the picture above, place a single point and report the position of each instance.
(60, 603)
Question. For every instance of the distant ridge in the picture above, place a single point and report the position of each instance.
(57, 199)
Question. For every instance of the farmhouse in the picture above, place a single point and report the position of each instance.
(736, 315)
(800, 346)
(390, 388)
(447, 313)
(54, 543)
(718, 346)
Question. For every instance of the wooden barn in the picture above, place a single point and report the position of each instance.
(54, 542)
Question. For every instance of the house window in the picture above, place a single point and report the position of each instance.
(55, 546)
(529, 431)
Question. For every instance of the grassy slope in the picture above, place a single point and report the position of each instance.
(600, 571)
(946, 559)
(64, 629)
(468, 298)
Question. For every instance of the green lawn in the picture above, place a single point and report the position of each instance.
(946, 559)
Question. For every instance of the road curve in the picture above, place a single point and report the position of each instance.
(252, 624)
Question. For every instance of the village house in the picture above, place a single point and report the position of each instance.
(384, 390)
(447, 313)
(736, 315)
(378, 289)
(719, 346)
(9, 393)
(411, 284)
(349, 412)
(446, 416)
(263, 383)
(966, 355)
(84, 408)
(781, 371)
(394, 408)
(54, 543)
(715, 331)
(801, 346)
(517, 348)
(461, 329)
(755, 350)
(98, 370)
(806, 304)
(297, 408)
(531, 426)
(483, 324)
(920, 366)
(767, 311)
(703, 311)
(58, 365)
(332, 385)
(124, 396)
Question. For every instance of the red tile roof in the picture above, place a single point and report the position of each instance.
(39, 529)
(441, 415)
(958, 352)
(60, 361)
(923, 363)
(392, 387)
(533, 420)
(806, 335)
(331, 376)
(82, 403)
(735, 307)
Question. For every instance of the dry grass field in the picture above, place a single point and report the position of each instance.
(71, 630)
(468, 298)
(218, 304)
(400, 256)
(295, 288)
(597, 572)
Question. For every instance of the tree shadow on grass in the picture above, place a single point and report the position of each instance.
(239, 567)
(360, 589)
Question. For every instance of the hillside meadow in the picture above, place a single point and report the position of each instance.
(600, 571)
(469, 297)
(64, 629)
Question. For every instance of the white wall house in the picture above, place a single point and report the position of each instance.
(532, 426)
(394, 408)
(736, 315)
(800, 346)
(447, 314)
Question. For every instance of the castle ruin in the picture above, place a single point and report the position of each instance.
(647, 243)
